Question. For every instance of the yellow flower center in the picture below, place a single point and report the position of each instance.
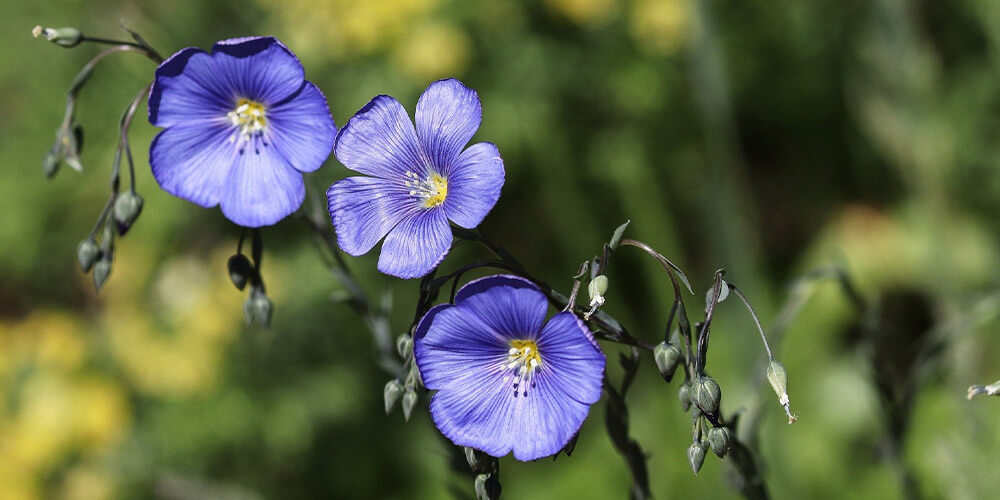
(250, 117)
(432, 190)
(523, 359)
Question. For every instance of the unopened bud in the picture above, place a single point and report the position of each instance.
(102, 269)
(987, 390)
(393, 390)
(477, 460)
(239, 270)
(404, 345)
(684, 395)
(128, 206)
(616, 238)
(779, 380)
(67, 37)
(50, 164)
(667, 357)
(596, 289)
(87, 253)
(718, 439)
(487, 487)
(71, 143)
(409, 401)
(696, 456)
(258, 309)
(706, 395)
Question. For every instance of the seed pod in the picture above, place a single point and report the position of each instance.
(718, 439)
(684, 395)
(667, 357)
(696, 456)
(87, 253)
(409, 401)
(128, 206)
(707, 394)
(102, 269)
(239, 270)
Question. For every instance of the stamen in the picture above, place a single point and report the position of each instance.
(432, 191)
(523, 360)
(249, 118)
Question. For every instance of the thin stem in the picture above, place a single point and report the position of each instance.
(706, 326)
(756, 320)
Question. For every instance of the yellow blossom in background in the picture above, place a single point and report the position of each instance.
(170, 341)
(338, 28)
(660, 26)
(584, 11)
(432, 51)
(87, 482)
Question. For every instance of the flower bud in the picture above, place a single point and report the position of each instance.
(404, 345)
(128, 206)
(477, 460)
(616, 238)
(67, 37)
(684, 395)
(667, 357)
(409, 401)
(258, 309)
(71, 143)
(50, 164)
(596, 289)
(87, 253)
(102, 269)
(779, 380)
(718, 439)
(239, 270)
(696, 456)
(393, 390)
(706, 395)
(487, 487)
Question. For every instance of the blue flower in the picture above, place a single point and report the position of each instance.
(241, 125)
(506, 380)
(420, 179)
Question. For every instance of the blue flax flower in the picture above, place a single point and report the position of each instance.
(506, 379)
(242, 124)
(420, 179)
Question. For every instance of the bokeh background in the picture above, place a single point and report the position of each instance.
(770, 138)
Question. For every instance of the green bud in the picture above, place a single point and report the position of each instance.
(239, 270)
(779, 380)
(393, 389)
(718, 439)
(596, 289)
(616, 238)
(71, 142)
(487, 487)
(667, 357)
(66, 37)
(128, 206)
(102, 269)
(87, 253)
(696, 456)
(50, 164)
(684, 394)
(706, 395)
(258, 309)
(404, 345)
(409, 401)
(477, 460)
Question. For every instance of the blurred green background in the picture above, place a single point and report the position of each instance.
(766, 137)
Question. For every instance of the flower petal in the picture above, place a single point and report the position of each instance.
(261, 188)
(480, 414)
(379, 140)
(509, 306)
(452, 344)
(417, 245)
(302, 129)
(474, 184)
(186, 89)
(545, 420)
(193, 161)
(448, 115)
(364, 209)
(571, 360)
(257, 68)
